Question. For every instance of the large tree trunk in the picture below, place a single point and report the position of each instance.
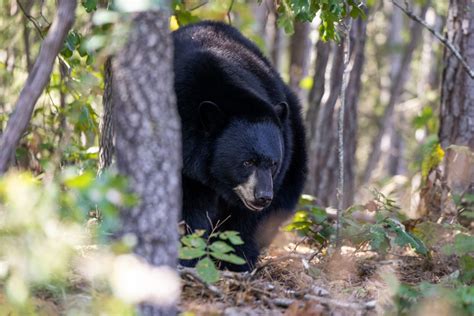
(148, 142)
(457, 100)
(322, 148)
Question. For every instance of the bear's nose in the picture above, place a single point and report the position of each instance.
(264, 198)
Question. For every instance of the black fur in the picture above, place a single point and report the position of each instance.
(234, 106)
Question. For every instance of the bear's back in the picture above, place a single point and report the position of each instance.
(215, 62)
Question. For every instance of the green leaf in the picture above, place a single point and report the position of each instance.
(319, 214)
(233, 237)
(193, 241)
(220, 247)
(378, 238)
(463, 244)
(228, 257)
(81, 181)
(89, 5)
(188, 253)
(466, 263)
(404, 238)
(207, 271)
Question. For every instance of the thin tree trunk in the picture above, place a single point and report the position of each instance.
(322, 150)
(26, 34)
(261, 17)
(322, 115)
(37, 80)
(392, 154)
(316, 93)
(457, 100)
(395, 92)
(275, 35)
(299, 55)
(358, 39)
(148, 142)
(323, 52)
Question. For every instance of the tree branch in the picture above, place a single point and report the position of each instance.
(436, 34)
(26, 13)
(37, 80)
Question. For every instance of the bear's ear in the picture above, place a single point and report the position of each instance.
(211, 116)
(281, 110)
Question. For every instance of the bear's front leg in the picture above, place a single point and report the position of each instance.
(245, 224)
(199, 211)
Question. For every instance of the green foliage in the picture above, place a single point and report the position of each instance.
(183, 15)
(387, 230)
(331, 12)
(101, 197)
(458, 299)
(218, 246)
(311, 220)
(42, 226)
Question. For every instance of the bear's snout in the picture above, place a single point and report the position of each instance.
(257, 192)
(263, 198)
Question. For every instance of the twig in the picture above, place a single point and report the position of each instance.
(436, 34)
(285, 302)
(229, 11)
(346, 305)
(37, 80)
(203, 3)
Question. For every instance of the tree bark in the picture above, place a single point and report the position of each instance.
(107, 130)
(148, 142)
(457, 100)
(37, 80)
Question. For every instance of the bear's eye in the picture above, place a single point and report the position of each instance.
(248, 163)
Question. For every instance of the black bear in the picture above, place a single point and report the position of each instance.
(244, 158)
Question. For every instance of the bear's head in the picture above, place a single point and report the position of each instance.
(247, 154)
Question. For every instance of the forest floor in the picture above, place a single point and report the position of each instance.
(295, 279)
